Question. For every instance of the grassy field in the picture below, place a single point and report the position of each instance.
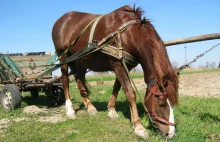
(111, 77)
(197, 119)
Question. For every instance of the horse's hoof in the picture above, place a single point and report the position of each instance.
(92, 112)
(112, 114)
(71, 116)
(141, 132)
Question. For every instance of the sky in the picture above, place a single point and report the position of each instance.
(26, 25)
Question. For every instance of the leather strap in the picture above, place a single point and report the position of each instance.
(119, 44)
(120, 29)
(93, 28)
(113, 51)
(78, 36)
(153, 115)
(156, 117)
(151, 82)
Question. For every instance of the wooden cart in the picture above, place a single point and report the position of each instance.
(18, 74)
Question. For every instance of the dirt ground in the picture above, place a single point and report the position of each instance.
(198, 85)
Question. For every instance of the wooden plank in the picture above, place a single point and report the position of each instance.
(32, 65)
(33, 77)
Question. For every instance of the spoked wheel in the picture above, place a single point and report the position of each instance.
(10, 97)
(59, 94)
(56, 95)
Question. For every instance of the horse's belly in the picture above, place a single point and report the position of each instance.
(96, 62)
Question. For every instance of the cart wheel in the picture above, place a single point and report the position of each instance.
(34, 93)
(10, 97)
(56, 95)
(59, 95)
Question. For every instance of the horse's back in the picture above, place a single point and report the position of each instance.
(68, 26)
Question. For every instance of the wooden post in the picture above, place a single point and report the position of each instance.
(193, 39)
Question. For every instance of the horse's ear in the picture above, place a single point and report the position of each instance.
(143, 21)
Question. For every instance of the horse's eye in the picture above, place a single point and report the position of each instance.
(161, 104)
(161, 101)
(165, 84)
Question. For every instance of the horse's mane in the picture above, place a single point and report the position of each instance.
(137, 12)
(163, 67)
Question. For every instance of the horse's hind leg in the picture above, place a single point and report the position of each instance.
(84, 92)
(112, 114)
(131, 98)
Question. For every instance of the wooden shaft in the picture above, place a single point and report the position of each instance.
(60, 76)
(33, 77)
(193, 39)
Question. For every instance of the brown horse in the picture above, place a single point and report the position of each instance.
(140, 40)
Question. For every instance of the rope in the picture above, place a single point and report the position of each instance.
(197, 57)
(138, 93)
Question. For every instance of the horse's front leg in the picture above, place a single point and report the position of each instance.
(112, 114)
(65, 80)
(131, 98)
(84, 92)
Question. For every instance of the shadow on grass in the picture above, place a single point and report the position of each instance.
(208, 116)
(121, 106)
(41, 100)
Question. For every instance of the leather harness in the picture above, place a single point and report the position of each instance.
(152, 112)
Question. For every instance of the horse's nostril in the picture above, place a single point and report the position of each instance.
(166, 134)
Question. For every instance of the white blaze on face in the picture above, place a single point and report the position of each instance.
(171, 119)
(69, 109)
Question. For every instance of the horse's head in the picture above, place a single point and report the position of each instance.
(159, 101)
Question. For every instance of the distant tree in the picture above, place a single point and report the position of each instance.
(174, 64)
(201, 66)
(134, 70)
(207, 64)
(219, 65)
(137, 69)
(212, 65)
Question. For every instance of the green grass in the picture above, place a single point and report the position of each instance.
(197, 119)
(194, 71)
(112, 77)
